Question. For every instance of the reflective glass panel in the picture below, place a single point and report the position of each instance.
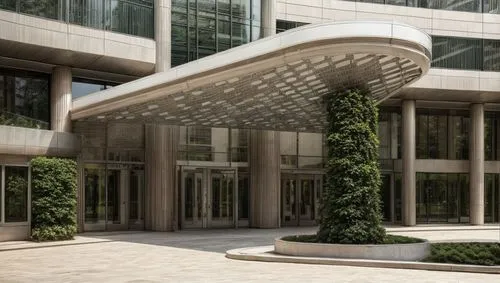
(95, 193)
(16, 194)
(52, 9)
(24, 99)
(82, 88)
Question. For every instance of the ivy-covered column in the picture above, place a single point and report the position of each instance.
(350, 212)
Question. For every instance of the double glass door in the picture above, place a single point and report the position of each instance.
(300, 197)
(113, 198)
(208, 198)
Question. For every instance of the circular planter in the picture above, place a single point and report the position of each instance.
(396, 252)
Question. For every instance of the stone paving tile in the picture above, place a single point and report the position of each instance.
(197, 256)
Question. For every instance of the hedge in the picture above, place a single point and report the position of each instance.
(350, 211)
(53, 198)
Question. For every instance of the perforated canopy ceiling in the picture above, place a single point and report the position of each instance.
(274, 83)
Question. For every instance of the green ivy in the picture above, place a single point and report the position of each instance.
(350, 211)
(53, 194)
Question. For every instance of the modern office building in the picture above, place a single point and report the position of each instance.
(207, 113)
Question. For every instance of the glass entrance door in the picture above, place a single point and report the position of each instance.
(300, 199)
(193, 209)
(221, 201)
(113, 197)
(208, 198)
(136, 200)
(288, 200)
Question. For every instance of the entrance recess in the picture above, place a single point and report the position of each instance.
(114, 197)
(300, 196)
(208, 198)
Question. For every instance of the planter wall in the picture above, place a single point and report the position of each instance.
(396, 252)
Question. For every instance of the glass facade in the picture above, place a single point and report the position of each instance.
(135, 17)
(204, 27)
(442, 134)
(82, 87)
(24, 99)
(478, 6)
(442, 198)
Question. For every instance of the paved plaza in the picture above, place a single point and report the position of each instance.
(198, 256)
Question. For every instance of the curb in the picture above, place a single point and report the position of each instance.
(266, 254)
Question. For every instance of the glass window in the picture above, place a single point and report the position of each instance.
(491, 6)
(442, 134)
(384, 135)
(459, 131)
(89, 13)
(310, 150)
(457, 53)
(288, 148)
(8, 5)
(491, 55)
(16, 194)
(239, 144)
(81, 88)
(52, 9)
(24, 99)
(204, 27)
(133, 17)
(466, 6)
(491, 135)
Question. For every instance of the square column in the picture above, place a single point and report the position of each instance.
(265, 179)
(408, 193)
(60, 99)
(476, 167)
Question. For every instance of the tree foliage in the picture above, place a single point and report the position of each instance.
(53, 199)
(350, 212)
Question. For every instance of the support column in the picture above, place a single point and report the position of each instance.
(163, 30)
(60, 99)
(268, 20)
(408, 194)
(265, 177)
(476, 167)
(160, 164)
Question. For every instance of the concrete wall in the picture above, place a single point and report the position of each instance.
(54, 42)
(435, 22)
(14, 232)
(25, 141)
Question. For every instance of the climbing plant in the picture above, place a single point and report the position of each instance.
(350, 212)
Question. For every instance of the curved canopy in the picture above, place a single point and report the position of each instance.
(273, 83)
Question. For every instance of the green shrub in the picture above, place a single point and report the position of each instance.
(350, 212)
(53, 194)
(388, 239)
(465, 253)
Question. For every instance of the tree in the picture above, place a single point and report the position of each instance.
(350, 212)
